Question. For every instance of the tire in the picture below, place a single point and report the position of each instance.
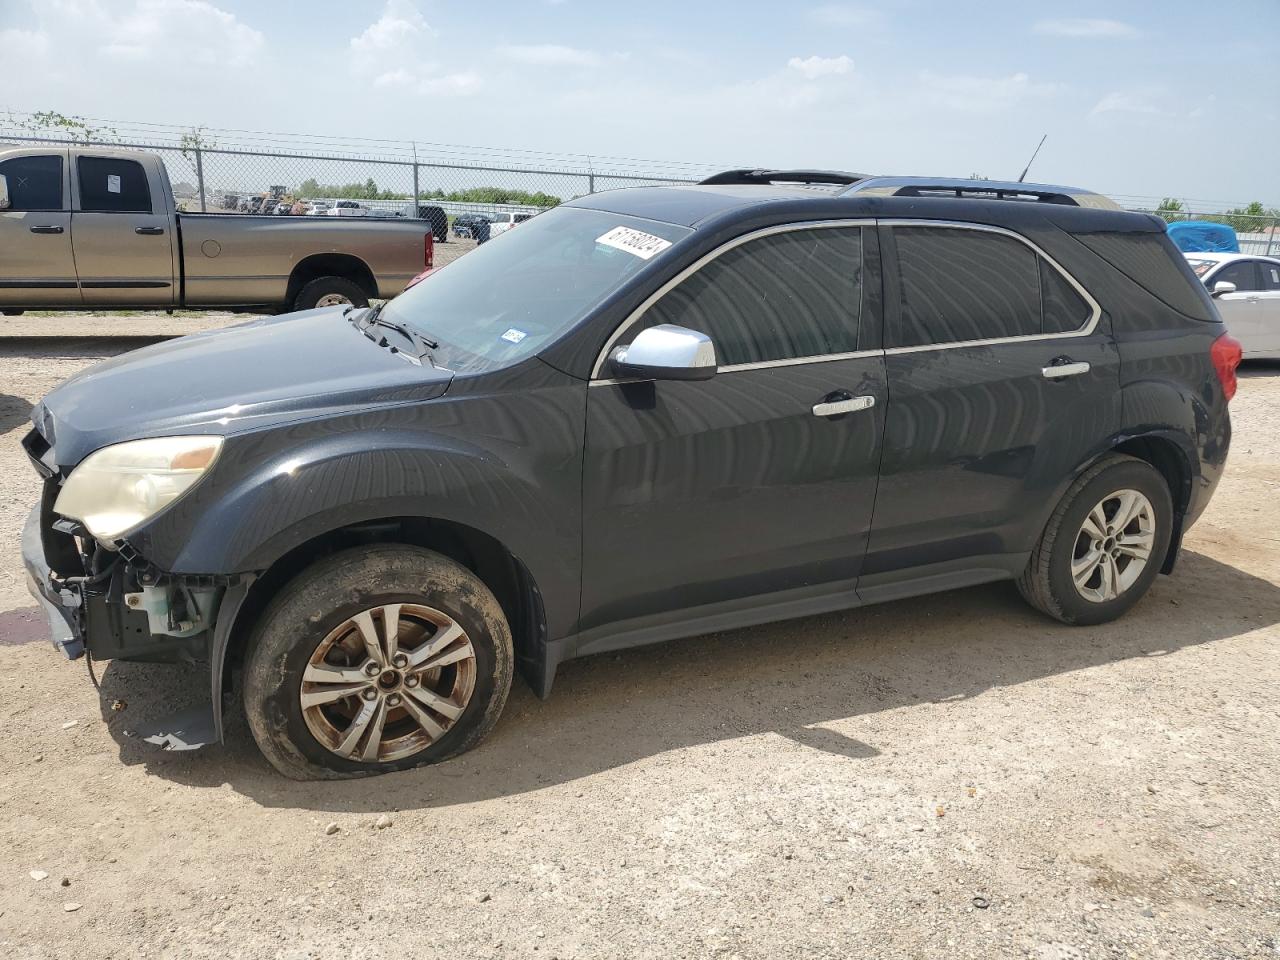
(321, 602)
(311, 295)
(13, 313)
(1048, 583)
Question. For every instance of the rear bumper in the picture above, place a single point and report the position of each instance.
(60, 605)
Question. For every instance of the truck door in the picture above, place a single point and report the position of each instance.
(36, 267)
(121, 234)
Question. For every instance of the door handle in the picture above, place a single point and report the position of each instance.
(839, 403)
(1058, 371)
(149, 231)
(46, 228)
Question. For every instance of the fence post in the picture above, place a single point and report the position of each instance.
(1271, 235)
(415, 188)
(200, 180)
(591, 182)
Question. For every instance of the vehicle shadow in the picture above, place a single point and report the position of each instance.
(786, 679)
(14, 411)
(1258, 368)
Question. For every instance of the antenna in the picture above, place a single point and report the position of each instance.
(1033, 158)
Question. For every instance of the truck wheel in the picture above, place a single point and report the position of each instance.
(13, 313)
(330, 292)
(1104, 544)
(376, 659)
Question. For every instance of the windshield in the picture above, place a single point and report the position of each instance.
(507, 298)
(1201, 267)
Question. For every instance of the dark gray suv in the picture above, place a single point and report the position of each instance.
(645, 414)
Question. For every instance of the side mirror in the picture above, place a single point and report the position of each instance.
(1221, 287)
(666, 352)
(4, 193)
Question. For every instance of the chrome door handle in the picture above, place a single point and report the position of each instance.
(46, 229)
(149, 231)
(833, 408)
(1060, 370)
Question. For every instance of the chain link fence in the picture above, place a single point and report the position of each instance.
(223, 171)
(1258, 235)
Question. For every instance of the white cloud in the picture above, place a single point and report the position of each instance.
(194, 29)
(811, 68)
(982, 94)
(392, 53)
(548, 55)
(844, 15)
(1084, 27)
(1137, 102)
(28, 42)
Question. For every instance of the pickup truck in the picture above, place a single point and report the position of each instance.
(94, 229)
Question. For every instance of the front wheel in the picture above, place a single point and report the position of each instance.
(1104, 544)
(376, 659)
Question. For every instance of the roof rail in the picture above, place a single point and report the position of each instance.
(758, 177)
(978, 190)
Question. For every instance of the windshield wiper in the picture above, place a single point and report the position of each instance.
(373, 318)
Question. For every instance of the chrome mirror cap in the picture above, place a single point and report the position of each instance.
(666, 352)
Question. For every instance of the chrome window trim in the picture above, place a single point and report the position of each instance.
(701, 262)
(1083, 331)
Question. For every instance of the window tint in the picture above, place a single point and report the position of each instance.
(1242, 273)
(1064, 309)
(965, 285)
(35, 183)
(1270, 275)
(788, 295)
(118, 186)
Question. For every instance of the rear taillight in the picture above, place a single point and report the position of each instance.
(1226, 354)
(429, 250)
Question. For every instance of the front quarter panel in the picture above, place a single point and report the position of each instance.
(501, 453)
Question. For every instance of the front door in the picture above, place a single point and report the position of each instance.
(1243, 311)
(1002, 381)
(36, 265)
(741, 492)
(123, 247)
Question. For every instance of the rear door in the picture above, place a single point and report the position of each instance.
(981, 432)
(36, 266)
(1269, 300)
(121, 234)
(729, 493)
(1243, 311)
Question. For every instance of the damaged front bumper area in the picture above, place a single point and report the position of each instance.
(114, 605)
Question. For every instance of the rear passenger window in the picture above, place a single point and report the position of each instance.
(114, 186)
(1270, 276)
(962, 285)
(35, 183)
(780, 297)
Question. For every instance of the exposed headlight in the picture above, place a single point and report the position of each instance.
(118, 487)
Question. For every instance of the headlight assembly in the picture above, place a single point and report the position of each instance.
(118, 487)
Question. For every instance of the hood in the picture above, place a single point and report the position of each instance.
(295, 366)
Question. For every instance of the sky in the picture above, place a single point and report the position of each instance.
(1176, 99)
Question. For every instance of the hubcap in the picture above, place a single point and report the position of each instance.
(332, 300)
(1113, 546)
(388, 682)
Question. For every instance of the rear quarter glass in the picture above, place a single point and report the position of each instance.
(1153, 262)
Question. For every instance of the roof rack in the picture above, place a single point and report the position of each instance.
(760, 177)
(978, 190)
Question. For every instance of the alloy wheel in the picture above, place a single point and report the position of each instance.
(388, 682)
(1113, 546)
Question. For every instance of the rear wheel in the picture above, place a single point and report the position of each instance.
(1104, 544)
(13, 313)
(330, 292)
(376, 659)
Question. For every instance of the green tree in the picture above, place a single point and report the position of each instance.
(1169, 208)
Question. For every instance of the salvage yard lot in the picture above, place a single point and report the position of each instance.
(951, 776)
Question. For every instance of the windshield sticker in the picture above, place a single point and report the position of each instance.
(113, 183)
(514, 336)
(634, 242)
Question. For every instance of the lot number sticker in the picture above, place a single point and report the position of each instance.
(635, 242)
(113, 183)
(514, 336)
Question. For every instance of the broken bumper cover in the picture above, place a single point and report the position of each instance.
(60, 605)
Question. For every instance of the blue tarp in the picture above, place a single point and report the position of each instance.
(1199, 236)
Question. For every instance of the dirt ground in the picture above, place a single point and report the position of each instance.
(951, 776)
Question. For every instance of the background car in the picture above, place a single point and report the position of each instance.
(439, 221)
(505, 220)
(1247, 291)
(347, 208)
(465, 225)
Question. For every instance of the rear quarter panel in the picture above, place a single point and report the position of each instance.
(238, 259)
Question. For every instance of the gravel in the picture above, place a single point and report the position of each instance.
(774, 792)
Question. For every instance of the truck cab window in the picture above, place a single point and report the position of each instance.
(113, 186)
(35, 183)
